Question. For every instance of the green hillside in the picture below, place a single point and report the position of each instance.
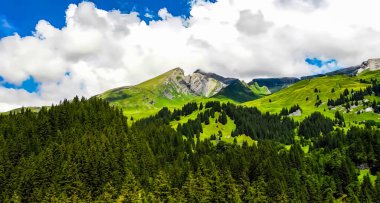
(19, 110)
(305, 93)
(262, 91)
(88, 151)
(169, 90)
(239, 92)
(149, 97)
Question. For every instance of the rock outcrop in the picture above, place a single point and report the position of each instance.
(199, 83)
(205, 86)
(177, 81)
(371, 64)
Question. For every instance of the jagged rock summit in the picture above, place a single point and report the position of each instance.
(370, 64)
(199, 83)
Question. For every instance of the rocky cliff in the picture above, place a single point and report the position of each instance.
(371, 64)
(199, 83)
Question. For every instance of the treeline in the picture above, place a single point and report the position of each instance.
(71, 150)
(349, 99)
(249, 121)
(285, 111)
(84, 151)
(315, 125)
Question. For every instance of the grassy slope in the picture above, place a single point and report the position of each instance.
(262, 91)
(215, 127)
(297, 94)
(147, 98)
(18, 110)
(237, 91)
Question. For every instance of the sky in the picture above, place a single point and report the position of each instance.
(52, 51)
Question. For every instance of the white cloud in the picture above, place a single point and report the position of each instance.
(252, 24)
(235, 38)
(302, 5)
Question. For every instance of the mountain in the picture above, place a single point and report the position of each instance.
(170, 89)
(173, 89)
(369, 65)
(237, 91)
(350, 71)
(306, 92)
(203, 151)
(275, 84)
(216, 77)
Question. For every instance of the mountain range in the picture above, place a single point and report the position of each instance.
(173, 88)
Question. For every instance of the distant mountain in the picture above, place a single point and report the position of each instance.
(238, 91)
(275, 84)
(369, 65)
(216, 77)
(350, 71)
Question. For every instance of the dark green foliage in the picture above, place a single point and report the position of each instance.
(223, 118)
(314, 125)
(238, 92)
(318, 103)
(286, 112)
(251, 122)
(295, 108)
(73, 148)
(339, 119)
(189, 108)
(84, 151)
(346, 92)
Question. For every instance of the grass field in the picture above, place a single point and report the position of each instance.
(216, 127)
(303, 93)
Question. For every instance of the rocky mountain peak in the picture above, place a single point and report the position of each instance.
(177, 72)
(199, 83)
(370, 64)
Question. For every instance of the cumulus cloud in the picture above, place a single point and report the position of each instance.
(98, 50)
(305, 5)
(252, 24)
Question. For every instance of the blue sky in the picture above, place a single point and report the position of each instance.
(320, 63)
(21, 16)
(245, 39)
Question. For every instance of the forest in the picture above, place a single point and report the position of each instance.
(85, 150)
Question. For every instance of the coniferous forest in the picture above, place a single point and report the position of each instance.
(86, 150)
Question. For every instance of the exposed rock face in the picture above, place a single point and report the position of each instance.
(203, 85)
(216, 77)
(179, 83)
(198, 83)
(371, 64)
(296, 113)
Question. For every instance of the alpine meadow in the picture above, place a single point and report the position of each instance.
(190, 101)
